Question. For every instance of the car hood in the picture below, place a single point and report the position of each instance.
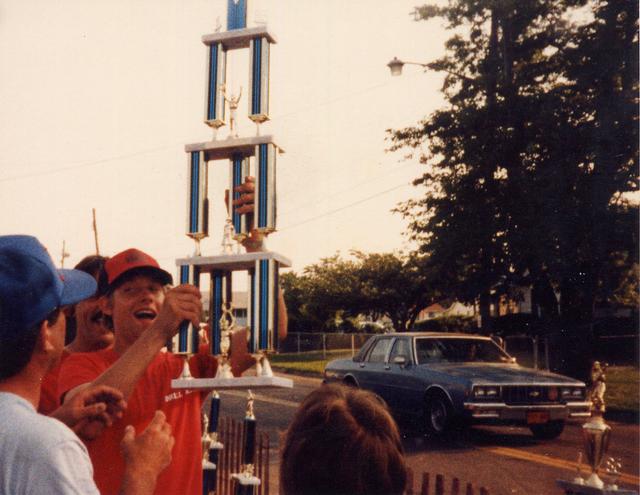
(479, 373)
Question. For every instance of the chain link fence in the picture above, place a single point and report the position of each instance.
(533, 352)
(319, 341)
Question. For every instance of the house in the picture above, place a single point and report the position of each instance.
(444, 310)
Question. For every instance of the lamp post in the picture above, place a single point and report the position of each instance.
(395, 66)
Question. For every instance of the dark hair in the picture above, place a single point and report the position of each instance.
(16, 347)
(342, 440)
(94, 266)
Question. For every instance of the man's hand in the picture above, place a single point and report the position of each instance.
(146, 455)
(244, 205)
(239, 356)
(92, 409)
(180, 303)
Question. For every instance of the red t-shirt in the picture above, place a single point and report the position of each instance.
(152, 392)
(49, 398)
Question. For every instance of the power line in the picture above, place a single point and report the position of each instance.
(84, 164)
(331, 212)
(152, 150)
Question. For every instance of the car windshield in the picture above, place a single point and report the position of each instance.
(459, 350)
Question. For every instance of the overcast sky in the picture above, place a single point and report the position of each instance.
(98, 100)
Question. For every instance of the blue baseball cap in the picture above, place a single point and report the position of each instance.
(31, 287)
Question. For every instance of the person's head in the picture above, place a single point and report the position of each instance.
(92, 330)
(32, 294)
(342, 440)
(135, 287)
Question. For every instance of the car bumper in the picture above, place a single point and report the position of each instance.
(501, 412)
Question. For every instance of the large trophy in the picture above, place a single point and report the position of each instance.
(595, 435)
(253, 156)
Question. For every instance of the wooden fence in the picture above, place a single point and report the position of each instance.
(438, 487)
(230, 461)
(230, 458)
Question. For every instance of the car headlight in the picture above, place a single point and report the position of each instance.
(572, 392)
(486, 392)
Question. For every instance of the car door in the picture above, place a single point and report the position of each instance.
(372, 373)
(405, 389)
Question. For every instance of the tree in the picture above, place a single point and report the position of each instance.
(379, 284)
(395, 286)
(527, 165)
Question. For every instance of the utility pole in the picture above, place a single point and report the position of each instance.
(95, 231)
(64, 254)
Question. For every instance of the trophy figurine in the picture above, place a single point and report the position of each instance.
(595, 433)
(233, 102)
(227, 237)
(227, 323)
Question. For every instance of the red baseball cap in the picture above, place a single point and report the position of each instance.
(133, 259)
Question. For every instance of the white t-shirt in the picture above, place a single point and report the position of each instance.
(39, 454)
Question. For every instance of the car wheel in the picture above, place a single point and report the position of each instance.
(438, 415)
(350, 382)
(547, 431)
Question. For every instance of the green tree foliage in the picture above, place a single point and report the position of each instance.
(527, 164)
(373, 285)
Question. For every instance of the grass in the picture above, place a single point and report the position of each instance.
(623, 389)
(306, 363)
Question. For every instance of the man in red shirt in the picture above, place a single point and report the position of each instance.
(91, 334)
(145, 314)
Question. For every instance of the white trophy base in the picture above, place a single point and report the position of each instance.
(240, 383)
(244, 479)
(585, 489)
(594, 481)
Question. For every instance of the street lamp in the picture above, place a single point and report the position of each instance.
(395, 66)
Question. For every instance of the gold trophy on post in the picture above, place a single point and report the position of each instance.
(595, 433)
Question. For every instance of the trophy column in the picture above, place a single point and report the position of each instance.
(246, 156)
(185, 342)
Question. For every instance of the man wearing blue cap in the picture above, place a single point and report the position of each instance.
(40, 454)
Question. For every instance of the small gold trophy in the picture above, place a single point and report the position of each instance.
(595, 433)
(246, 480)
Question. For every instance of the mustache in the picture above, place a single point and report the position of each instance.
(98, 317)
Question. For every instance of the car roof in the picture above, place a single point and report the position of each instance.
(437, 335)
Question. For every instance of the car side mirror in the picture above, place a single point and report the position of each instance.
(401, 360)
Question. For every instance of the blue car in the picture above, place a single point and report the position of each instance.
(440, 379)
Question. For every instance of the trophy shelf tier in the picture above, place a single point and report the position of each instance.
(227, 148)
(233, 262)
(239, 38)
(239, 383)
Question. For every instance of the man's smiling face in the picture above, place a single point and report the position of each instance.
(134, 305)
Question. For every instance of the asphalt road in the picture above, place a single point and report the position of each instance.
(505, 460)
